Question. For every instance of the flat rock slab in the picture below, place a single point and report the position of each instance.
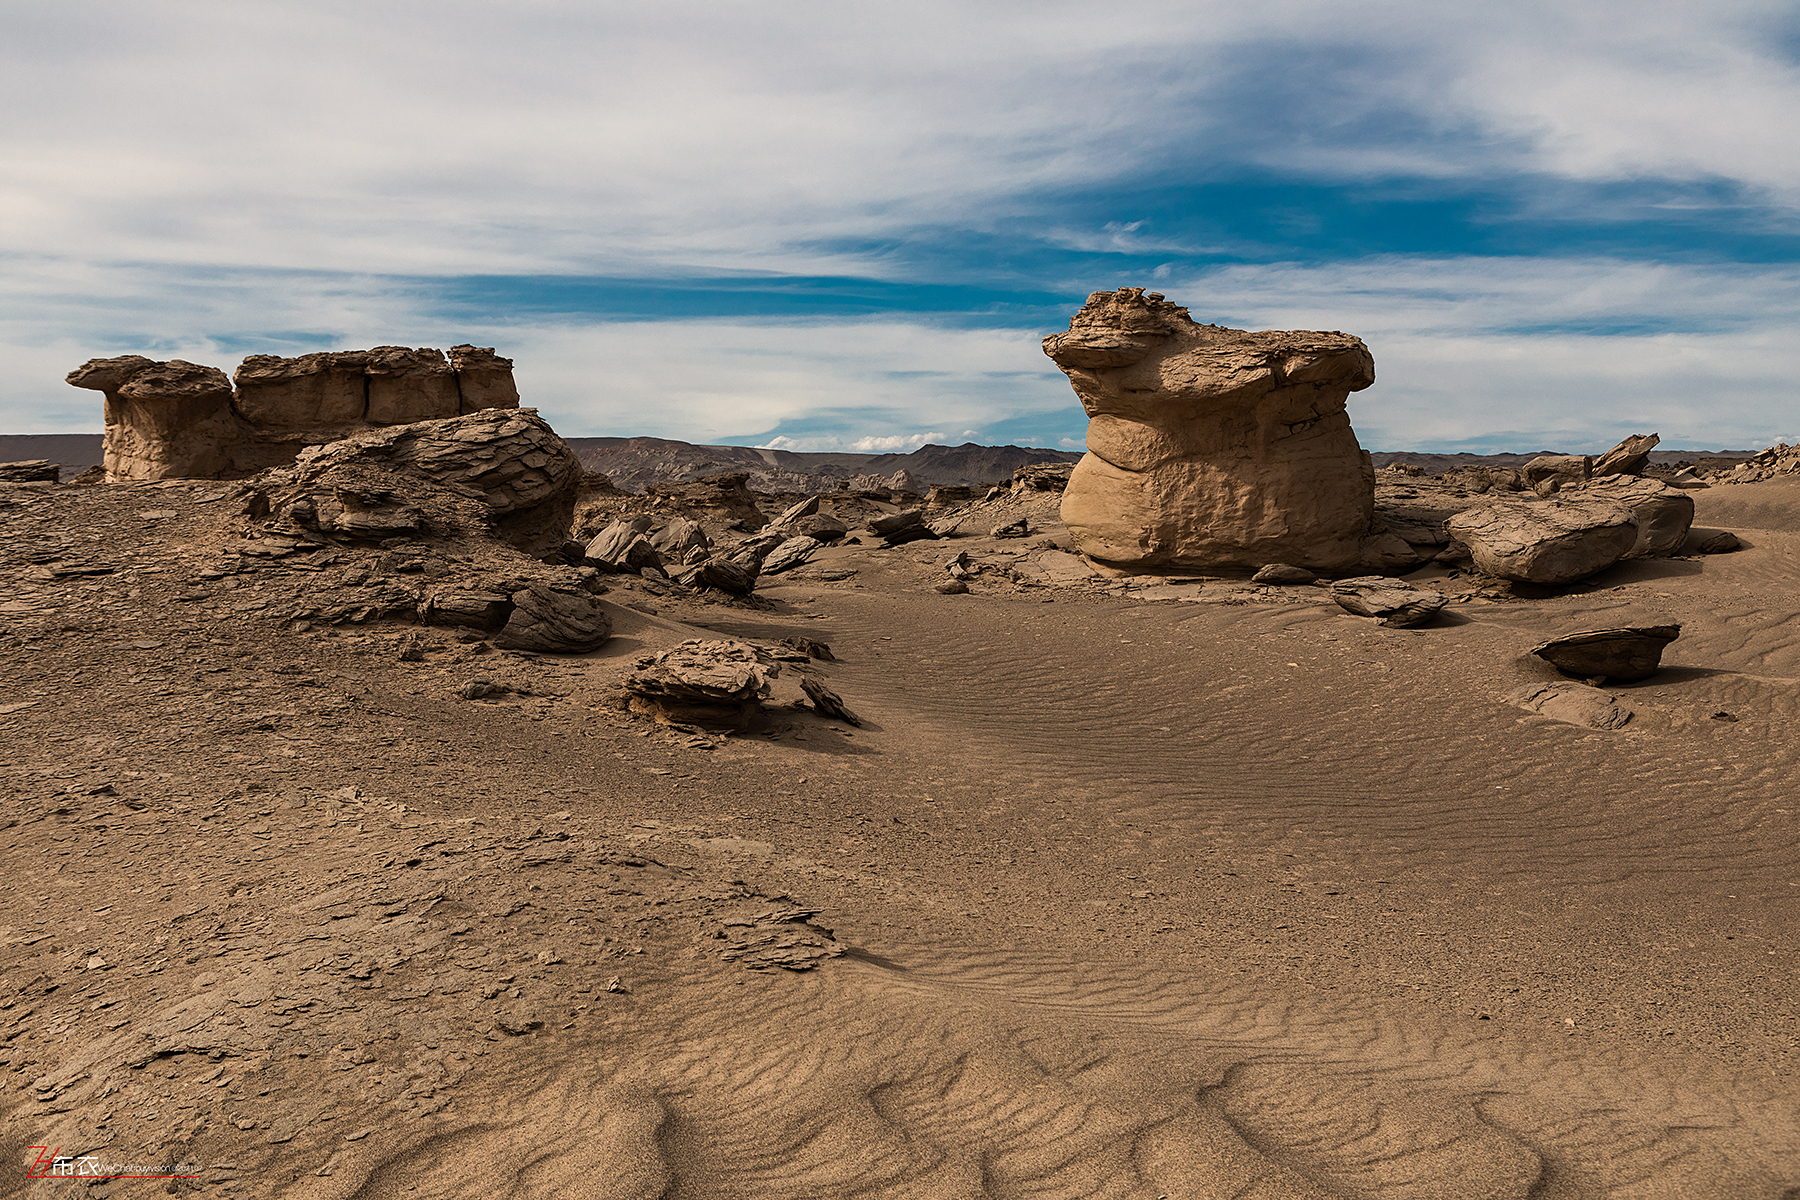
(1549, 541)
(1626, 654)
(1394, 604)
(1573, 703)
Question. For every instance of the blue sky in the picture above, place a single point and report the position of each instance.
(824, 226)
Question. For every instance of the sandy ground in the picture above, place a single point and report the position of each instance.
(1123, 888)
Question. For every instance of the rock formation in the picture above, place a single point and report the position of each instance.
(719, 684)
(1663, 513)
(34, 470)
(180, 420)
(502, 469)
(1394, 604)
(1626, 654)
(1629, 457)
(1547, 541)
(1210, 446)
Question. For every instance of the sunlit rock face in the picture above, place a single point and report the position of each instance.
(1213, 447)
(180, 420)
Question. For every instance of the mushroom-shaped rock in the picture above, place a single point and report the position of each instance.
(1663, 513)
(1210, 446)
(703, 682)
(555, 620)
(1394, 604)
(164, 420)
(1548, 541)
(1626, 654)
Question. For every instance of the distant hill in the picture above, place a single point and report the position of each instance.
(635, 463)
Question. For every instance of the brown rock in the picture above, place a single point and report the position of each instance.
(1210, 446)
(717, 497)
(408, 385)
(555, 620)
(164, 420)
(1626, 654)
(324, 392)
(1281, 573)
(828, 703)
(1548, 474)
(1394, 604)
(1547, 541)
(718, 683)
(1629, 457)
(1575, 703)
(1712, 541)
(483, 378)
(790, 554)
(1663, 513)
(504, 468)
(35, 470)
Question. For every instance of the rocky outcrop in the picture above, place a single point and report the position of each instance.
(1663, 513)
(180, 420)
(717, 497)
(1629, 457)
(1210, 446)
(711, 683)
(554, 620)
(1773, 462)
(36, 470)
(1626, 654)
(1548, 541)
(1548, 474)
(504, 470)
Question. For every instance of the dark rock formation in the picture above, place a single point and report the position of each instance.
(1626, 654)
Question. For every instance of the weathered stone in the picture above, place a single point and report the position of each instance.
(1015, 529)
(503, 468)
(717, 497)
(1714, 541)
(810, 648)
(794, 512)
(1281, 573)
(1629, 457)
(720, 574)
(952, 587)
(484, 379)
(944, 495)
(167, 420)
(1391, 554)
(895, 522)
(679, 536)
(1042, 477)
(470, 608)
(1626, 654)
(177, 420)
(824, 527)
(790, 554)
(607, 549)
(1575, 703)
(1548, 474)
(1394, 604)
(704, 682)
(827, 703)
(35, 470)
(1547, 541)
(1663, 513)
(1210, 446)
(555, 620)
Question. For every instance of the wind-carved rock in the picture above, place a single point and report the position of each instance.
(1210, 446)
(180, 420)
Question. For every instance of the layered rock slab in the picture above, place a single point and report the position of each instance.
(1548, 541)
(1210, 446)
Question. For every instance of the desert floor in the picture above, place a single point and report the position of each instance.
(1194, 890)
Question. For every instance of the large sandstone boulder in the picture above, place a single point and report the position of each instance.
(1663, 513)
(179, 420)
(502, 468)
(1548, 474)
(1547, 541)
(1210, 446)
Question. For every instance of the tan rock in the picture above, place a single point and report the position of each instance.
(1663, 513)
(1629, 457)
(1546, 541)
(1548, 474)
(178, 420)
(164, 420)
(483, 378)
(1210, 446)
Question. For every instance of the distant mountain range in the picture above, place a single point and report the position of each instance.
(634, 464)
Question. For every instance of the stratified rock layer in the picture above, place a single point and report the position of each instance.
(1210, 446)
(180, 420)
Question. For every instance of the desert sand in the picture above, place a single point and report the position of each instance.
(1177, 887)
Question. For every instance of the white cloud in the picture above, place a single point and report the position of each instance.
(464, 137)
